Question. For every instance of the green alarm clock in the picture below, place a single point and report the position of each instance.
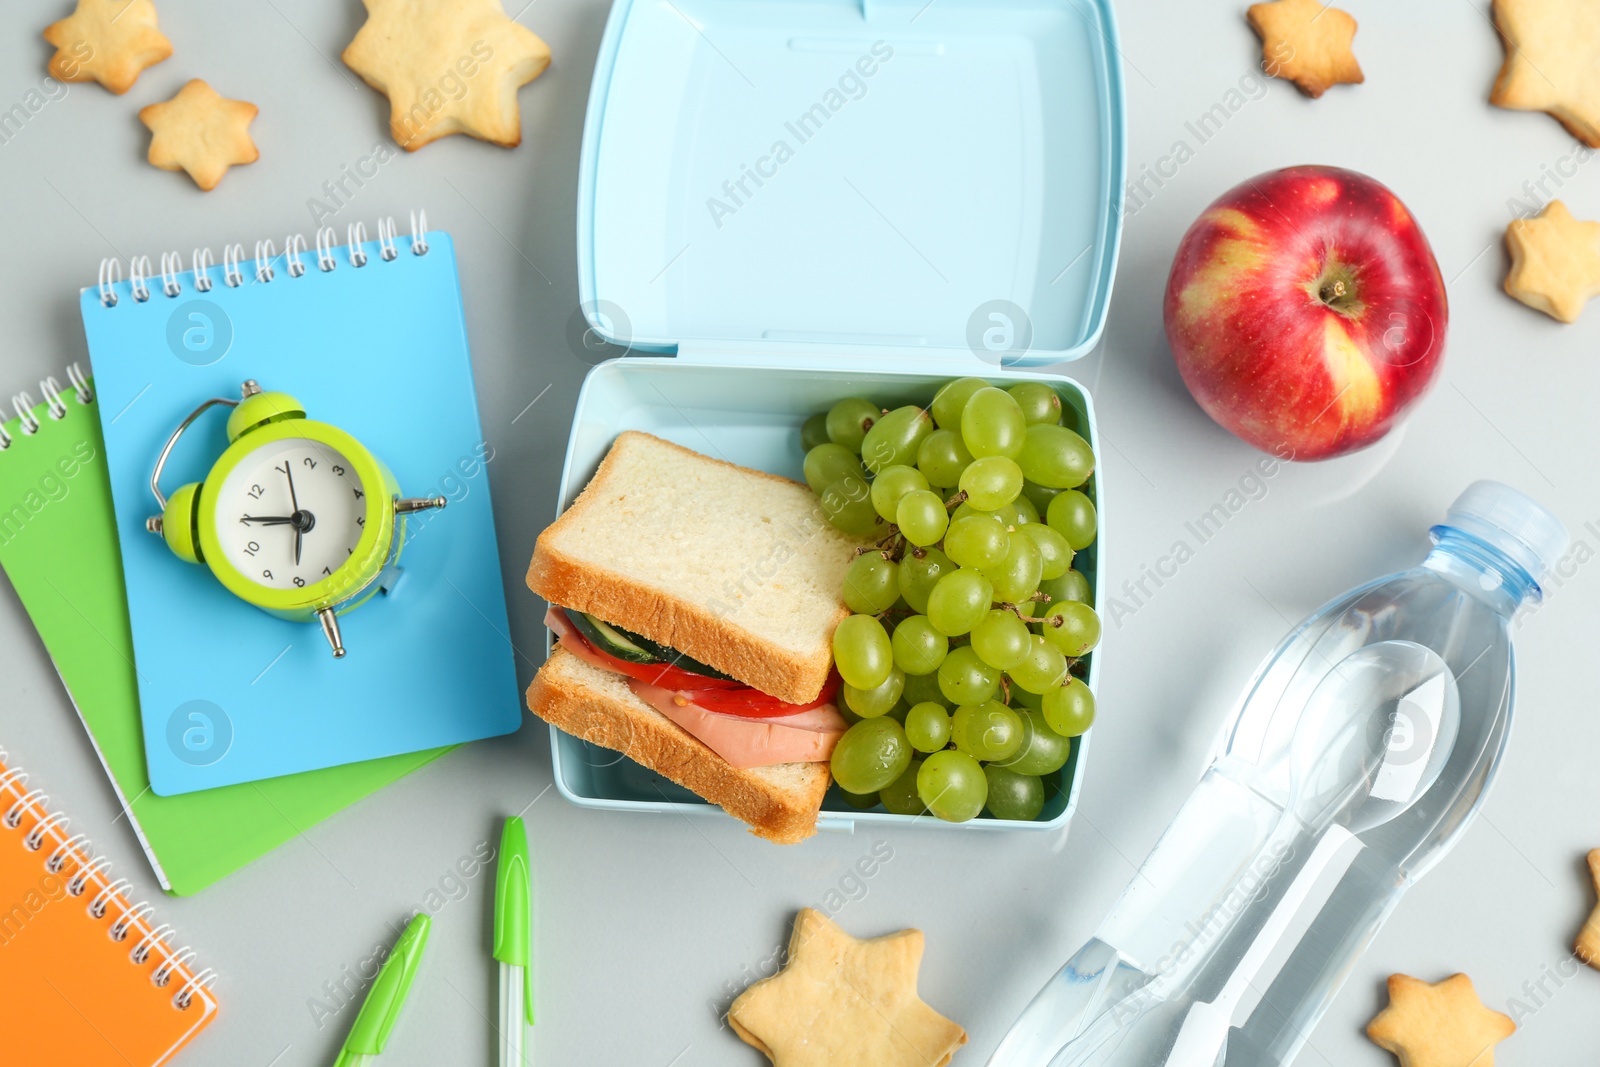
(296, 516)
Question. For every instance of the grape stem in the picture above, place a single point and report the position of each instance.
(956, 501)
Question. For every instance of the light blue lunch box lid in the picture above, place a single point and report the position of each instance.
(877, 179)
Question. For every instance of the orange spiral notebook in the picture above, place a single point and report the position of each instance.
(87, 976)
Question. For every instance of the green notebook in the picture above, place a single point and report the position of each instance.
(58, 545)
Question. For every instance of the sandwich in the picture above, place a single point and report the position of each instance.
(693, 603)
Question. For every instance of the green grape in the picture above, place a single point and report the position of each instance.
(920, 571)
(1055, 456)
(1044, 668)
(891, 484)
(859, 801)
(1022, 699)
(1039, 495)
(847, 503)
(1001, 639)
(871, 584)
(862, 652)
(849, 420)
(1071, 514)
(987, 731)
(1017, 575)
(870, 755)
(1039, 402)
(900, 796)
(1028, 608)
(922, 688)
(870, 703)
(942, 457)
(974, 540)
(952, 785)
(992, 424)
(814, 432)
(895, 438)
(928, 726)
(1070, 586)
(1014, 796)
(1069, 708)
(1054, 552)
(991, 482)
(1008, 516)
(827, 463)
(952, 398)
(1073, 627)
(918, 647)
(922, 518)
(1043, 750)
(966, 679)
(959, 600)
(1025, 511)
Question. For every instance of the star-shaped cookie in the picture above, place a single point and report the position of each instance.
(1307, 43)
(1555, 261)
(1587, 947)
(1439, 1025)
(843, 1001)
(1550, 62)
(202, 132)
(447, 66)
(108, 41)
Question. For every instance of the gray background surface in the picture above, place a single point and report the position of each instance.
(646, 920)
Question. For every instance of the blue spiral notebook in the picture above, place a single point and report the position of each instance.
(370, 337)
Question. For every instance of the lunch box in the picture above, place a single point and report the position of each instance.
(783, 203)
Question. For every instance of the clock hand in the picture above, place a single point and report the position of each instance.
(268, 520)
(298, 534)
(294, 504)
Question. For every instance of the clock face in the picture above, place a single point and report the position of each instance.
(291, 513)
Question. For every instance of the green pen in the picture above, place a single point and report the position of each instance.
(378, 1013)
(513, 930)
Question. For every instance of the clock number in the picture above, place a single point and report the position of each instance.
(299, 581)
(310, 463)
(361, 520)
(359, 494)
(338, 470)
(326, 571)
(252, 548)
(256, 491)
(267, 575)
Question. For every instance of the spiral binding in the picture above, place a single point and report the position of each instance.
(55, 408)
(110, 898)
(261, 266)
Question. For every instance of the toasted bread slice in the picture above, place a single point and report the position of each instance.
(734, 567)
(780, 803)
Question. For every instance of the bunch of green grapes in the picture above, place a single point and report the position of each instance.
(962, 663)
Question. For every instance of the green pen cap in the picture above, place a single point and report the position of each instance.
(513, 905)
(382, 1007)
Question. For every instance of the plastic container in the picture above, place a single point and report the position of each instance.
(1358, 755)
(948, 203)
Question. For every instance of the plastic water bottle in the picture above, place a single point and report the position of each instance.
(1358, 754)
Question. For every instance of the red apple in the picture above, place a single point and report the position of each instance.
(1306, 312)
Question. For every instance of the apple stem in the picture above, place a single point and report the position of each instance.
(1334, 290)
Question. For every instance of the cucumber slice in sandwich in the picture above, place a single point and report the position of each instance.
(610, 640)
(615, 641)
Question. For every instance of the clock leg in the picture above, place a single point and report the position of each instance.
(330, 630)
(408, 505)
